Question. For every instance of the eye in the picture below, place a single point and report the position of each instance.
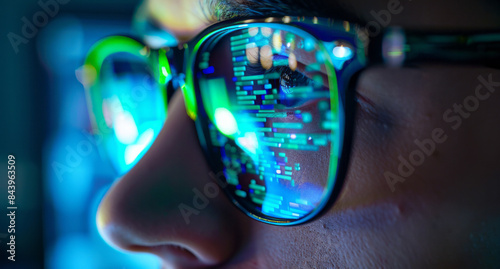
(291, 88)
(290, 80)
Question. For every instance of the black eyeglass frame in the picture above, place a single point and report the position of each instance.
(409, 47)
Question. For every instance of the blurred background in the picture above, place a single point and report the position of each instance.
(60, 175)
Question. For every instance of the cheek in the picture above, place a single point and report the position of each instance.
(408, 149)
(445, 196)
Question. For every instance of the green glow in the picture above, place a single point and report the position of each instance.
(225, 121)
(164, 74)
(110, 45)
(188, 88)
(246, 102)
(335, 137)
(395, 53)
(214, 96)
(288, 125)
(164, 67)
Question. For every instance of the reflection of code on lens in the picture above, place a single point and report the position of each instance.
(274, 122)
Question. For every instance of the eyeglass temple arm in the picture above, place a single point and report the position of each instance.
(474, 48)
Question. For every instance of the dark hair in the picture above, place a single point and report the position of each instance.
(227, 9)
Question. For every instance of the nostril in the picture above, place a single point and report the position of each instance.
(164, 248)
(181, 249)
(172, 254)
(177, 250)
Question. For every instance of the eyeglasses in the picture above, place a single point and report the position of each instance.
(272, 99)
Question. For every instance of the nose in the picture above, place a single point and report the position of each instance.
(169, 205)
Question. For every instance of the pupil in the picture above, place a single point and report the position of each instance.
(288, 80)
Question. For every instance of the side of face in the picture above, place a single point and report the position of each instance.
(406, 202)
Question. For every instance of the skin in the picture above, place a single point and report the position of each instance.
(445, 214)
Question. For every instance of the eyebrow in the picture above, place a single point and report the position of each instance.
(220, 10)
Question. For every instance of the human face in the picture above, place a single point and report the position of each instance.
(443, 214)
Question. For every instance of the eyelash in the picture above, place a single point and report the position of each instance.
(287, 81)
(292, 79)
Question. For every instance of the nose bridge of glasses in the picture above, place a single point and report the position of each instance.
(175, 73)
(170, 66)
